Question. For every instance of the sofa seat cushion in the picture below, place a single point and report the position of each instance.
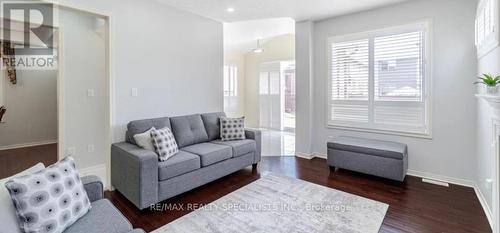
(379, 148)
(102, 217)
(210, 153)
(181, 163)
(240, 147)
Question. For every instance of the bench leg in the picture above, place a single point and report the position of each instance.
(254, 166)
(333, 169)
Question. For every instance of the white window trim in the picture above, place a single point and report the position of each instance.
(492, 40)
(235, 91)
(426, 25)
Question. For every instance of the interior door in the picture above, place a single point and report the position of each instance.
(270, 96)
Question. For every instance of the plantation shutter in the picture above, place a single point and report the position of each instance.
(378, 82)
(485, 22)
(350, 78)
(398, 81)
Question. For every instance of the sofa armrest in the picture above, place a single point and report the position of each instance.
(94, 187)
(257, 136)
(134, 173)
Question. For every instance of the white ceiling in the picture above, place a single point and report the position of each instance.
(263, 9)
(242, 36)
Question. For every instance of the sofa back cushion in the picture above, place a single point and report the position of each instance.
(188, 130)
(212, 124)
(141, 126)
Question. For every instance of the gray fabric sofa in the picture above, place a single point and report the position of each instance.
(103, 216)
(203, 157)
(373, 157)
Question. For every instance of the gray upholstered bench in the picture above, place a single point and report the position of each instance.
(374, 157)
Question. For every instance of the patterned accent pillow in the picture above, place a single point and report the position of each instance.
(232, 128)
(49, 200)
(164, 143)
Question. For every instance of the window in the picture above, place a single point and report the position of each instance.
(231, 90)
(379, 81)
(230, 80)
(486, 26)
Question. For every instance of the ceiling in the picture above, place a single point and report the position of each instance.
(242, 36)
(263, 9)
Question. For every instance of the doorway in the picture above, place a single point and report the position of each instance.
(277, 107)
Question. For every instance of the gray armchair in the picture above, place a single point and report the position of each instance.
(103, 216)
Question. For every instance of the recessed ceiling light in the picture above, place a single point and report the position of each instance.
(230, 9)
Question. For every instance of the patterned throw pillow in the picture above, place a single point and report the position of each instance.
(49, 200)
(232, 128)
(164, 143)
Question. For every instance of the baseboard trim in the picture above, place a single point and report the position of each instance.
(303, 155)
(484, 204)
(97, 170)
(441, 178)
(319, 155)
(23, 145)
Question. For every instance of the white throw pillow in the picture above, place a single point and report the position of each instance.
(164, 143)
(144, 140)
(49, 200)
(232, 128)
(8, 215)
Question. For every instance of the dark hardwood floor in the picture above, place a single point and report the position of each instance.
(14, 161)
(414, 206)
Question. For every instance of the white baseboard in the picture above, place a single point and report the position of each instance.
(446, 179)
(319, 155)
(484, 204)
(30, 144)
(303, 155)
(310, 156)
(97, 170)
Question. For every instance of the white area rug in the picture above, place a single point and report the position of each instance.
(282, 204)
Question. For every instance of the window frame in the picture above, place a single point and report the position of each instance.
(232, 80)
(424, 25)
(491, 41)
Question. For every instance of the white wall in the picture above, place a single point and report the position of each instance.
(304, 91)
(174, 58)
(450, 155)
(237, 59)
(31, 109)
(280, 48)
(485, 154)
(84, 67)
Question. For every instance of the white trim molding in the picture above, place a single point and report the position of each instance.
(97, 170)
(484, 204)
(441, 178)
(304, 155)
(30, 144)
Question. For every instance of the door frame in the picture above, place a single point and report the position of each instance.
(110, 81)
